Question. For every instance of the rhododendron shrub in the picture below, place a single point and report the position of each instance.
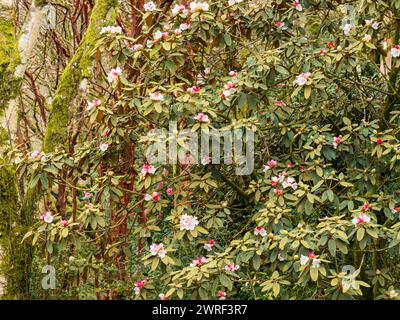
(318, 216)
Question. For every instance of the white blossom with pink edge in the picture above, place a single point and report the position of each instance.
(301, 79)
(114, 74)
(201, 117)
(156, 96)
(260, 231)
(231, 267)
(395, 51)
(198, 262)
(104, 146)
(188, 222)
(361, 219)
(158, 250)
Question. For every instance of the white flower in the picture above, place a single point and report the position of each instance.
(157, 35)
(375, 26)
(188, 222)
(149, 6)
(280, 257)
(137, 47)
(316, 263)
(162, 296)
(114, 74)
(232, 2)
(156, 96)
(104, 146)
(209, 245)
(179, 9)
(184, 26)
(347, 29)
(395, 51)
(111, 29)
(158, 250)
(148, 197)
(290, 182)
(361, 219)
(198, 6)
(301, 79)
(92, 104)
(367, 38)
(304, 260)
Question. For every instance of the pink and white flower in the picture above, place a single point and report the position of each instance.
(35, 155)
(188, 222)
(47, 217)
(198, 262)
(149, 6)
(201, 117)
(193, 90)
(260, 231)
(64, 223)
(270, 165)
(301, 79)
(297, 6)
(156, 96)
(94, 103)
(232, 73)
(114, 74)
(316, 263)
(274, 181)
(148, 169)
(139, 285)
(221, 295)
(209, 245)
(280, 25)
(162, 296)
(336, 141)
(231, 267)
(158, 250)
(278, 192)
(280, 103)
(365, 207)
(154, 196)
(104, 146)
(395, 51)
(361, 219)
(206, 160)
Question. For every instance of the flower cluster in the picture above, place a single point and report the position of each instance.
(111, 29)
(188, 222)
(198, 262)
(158, 250)
(310, 256)
(301, 79)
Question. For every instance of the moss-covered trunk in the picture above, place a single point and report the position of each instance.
(103, 13)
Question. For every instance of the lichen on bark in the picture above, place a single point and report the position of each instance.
(103, 13)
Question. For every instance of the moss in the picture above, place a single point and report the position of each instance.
(9, 59)
(103, 13)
